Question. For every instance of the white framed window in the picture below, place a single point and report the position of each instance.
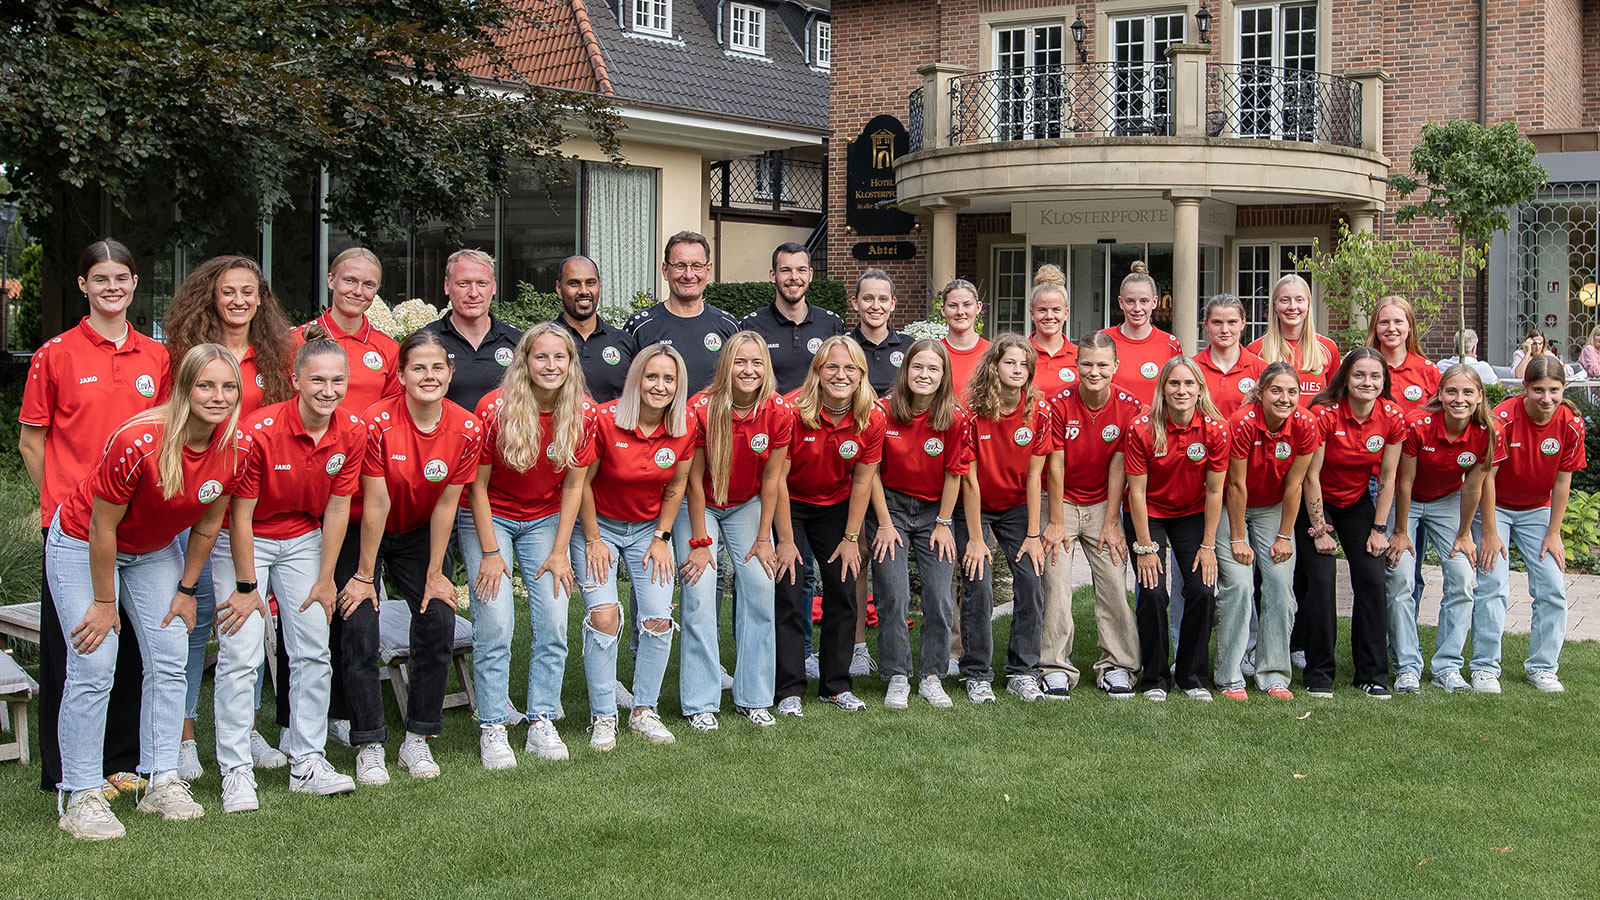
(749, 31)
(823, 56)
(1011, 278)
(653, 16)
(1141, 88)
(1029, 61)
(1260, 266)
(1276, 45)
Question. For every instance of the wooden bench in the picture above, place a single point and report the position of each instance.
(20, 621)
(394, 636)
(16, 689)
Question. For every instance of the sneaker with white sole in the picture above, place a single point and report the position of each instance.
(727, 680)
(1451, 682)
(370, 768)
(955, 667)
(861, 661)
(1321, 692)
(791, 706)
(703, 721)
(263, 754)
(757, 715)
(898, 696)
(416, 758)
(1199, 693)
(315, 775)
(1155, 695)
(239, 791)
(1545, 681)
(1025, 687)
(1117, 683)
(543, 741)
(189, 761)
(339, 731)
(1057, 686)
(494, 748)
(88, 817)
(647, 722)
(980, 691)
(1485, 682)
(813, 666)
(602, 733)
(624, 697)
(1407, 683)
(932, 690)
(514, 716)
(1375, 691)
(846, 701)
(171, 800)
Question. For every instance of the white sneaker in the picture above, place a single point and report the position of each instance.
(727, 680)
(316, 775)
(514, 716)
(1200, 694)
(370, 768)
(494, 748)
(899, 693)
(955, 667)
(647, 722)
(813, 667)
(1451, 682)
(1024, 686)
(171, 800)
(624, 697)
(1485, 682)
(931, 690)
(980, 691)
(263, 754)
(543, 741)
(189, 761)
(602, 733)
(88, 817)
(239, 791)
(846, 701)
(1546, 681)
(1156, 695)
(1408, 683)
(861, 661)
(703, 721)
(339, 731)
(416, 758)
(791, 706)
(757, 715)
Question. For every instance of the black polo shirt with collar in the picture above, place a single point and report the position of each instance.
(604, 357)
(792, 344)
(697, 338)
(883, 360)
(478, 370)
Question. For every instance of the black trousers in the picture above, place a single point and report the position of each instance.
(1368, 617)
(823, 526)
(1193, 668)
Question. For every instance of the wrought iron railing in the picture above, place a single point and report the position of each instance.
(769, 181)
(1106, 99)
(1282, 104)
(914, 120)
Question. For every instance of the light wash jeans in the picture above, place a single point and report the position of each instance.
(1438, 521)
(699, 660)
(288, 568)
(1526, 528)
(145, 584)
(628, 542)
(1236, 600)
(494, 619)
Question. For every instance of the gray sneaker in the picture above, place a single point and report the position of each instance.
(88, 817)
(1546, 681)
(171, 800)
(1485, 682)
(861, 662)
(263, 755)
(899, 694)
(416, 757)
(931, 690)
(239, 791)
(1057, 686)
(494, 748)
(791, 706)
(1024, 686)
(1200, 694)
(980, 691)
(1451, 682)
(624, 697)
(1298, 659)
(1155, 695)
(648, 723)
(813, 667)
(1408, 683)
(370, 767)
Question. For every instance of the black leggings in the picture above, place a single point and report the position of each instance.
(823, 526)
(1317, 620)
(1199, 605)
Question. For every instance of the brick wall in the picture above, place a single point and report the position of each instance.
(1564, 53)
(1591, 63)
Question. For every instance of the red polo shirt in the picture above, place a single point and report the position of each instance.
(1536, 453)
(1002, 449)
(1442, 463)
(417, 466)
(1139, 362)
(635, 469)
(963, 363)
(1413, 382)
(915, 457)
(1268, 455)
(290, 475)
(1088, 438)
(1177, 476)
(81, 387)
(1311, 383)
(766, 428)
(1353, 450)
(374, 360)
(536, 493)
(129, 475)
(1054, 370)
(1228, 389)
(822, 460)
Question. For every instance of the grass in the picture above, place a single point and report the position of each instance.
(1426, 796)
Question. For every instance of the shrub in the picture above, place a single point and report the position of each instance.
(1588, 479)
(1580, 530)
(532, 306)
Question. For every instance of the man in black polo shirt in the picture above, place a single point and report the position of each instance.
(693, 327)
(604, 351)
(479, 345)
(793, 328)
(884, 347)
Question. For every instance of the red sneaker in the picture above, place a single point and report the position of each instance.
(1279, 692)
(1235, 694)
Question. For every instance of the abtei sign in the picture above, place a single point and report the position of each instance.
(869, 179)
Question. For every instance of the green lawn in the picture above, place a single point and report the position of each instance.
(1429, 796)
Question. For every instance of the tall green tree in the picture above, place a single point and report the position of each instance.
(1473, 174)
(410, 105)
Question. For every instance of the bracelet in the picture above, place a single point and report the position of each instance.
(595, 541)
(187, 590)
(1145, 549)
(1231, 543)
(697, 543)
(1031, 536)
(106, 601)
(361, 579)
(763, 540)
(491, 553)
(1211, 547)
(1381, 529)
(1285, 537)
(948, 523)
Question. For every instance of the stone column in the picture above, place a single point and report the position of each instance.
(1186, 266)
(1189, 88)
(936, 106)
(1372, 82)
(942, 242)
(1363, 220)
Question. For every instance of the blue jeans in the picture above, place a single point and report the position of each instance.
(494, 619)
(699, 661)
(205, 615)
(1235, 599)
(1437, 520)
(1526, 528)
(145, 584)
(628, 542)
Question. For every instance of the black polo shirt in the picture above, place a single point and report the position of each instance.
(478, 369)
(792, 344)
(698, 338)
(604, 358)
(883, 360)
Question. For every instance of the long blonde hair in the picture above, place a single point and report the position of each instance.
(173, 417)
(1158, 410)
(1413, 341)
(1481, 414)
(1275, 347)
(675, 420)
(986, 393)
(719, 408)
(518, 440)
(810, 396)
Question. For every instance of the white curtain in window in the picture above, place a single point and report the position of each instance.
(620, 220)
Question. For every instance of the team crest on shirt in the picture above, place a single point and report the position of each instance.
(435, 470)
(145, 385)
(1412, 392)
(713, 342)
(1196, 451)
(759, 442)
(1550, 446)
(503, 356)
(896, 358)
(1282, 450)
(813, 344)
(1149, 370)
(1110, 433)
(611, 355)
(665, 458)
(1466, 459)
(849, 449)
(1246, 385)
(209, 491)
(335, 463)
(372, 359)
(260, 385)
(1375, 443)
(550, 451)
(1023, 436)
(1068, 375)
(933, 446)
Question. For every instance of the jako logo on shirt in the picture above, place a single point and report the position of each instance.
(896, 358)
(1246, 385)
(1110, 433)
(665, 458)
(713, 342)
(759, 442)
(335, 463)
(145, 385)
(372, 359)
(813, 344)
(1196, 451)
(933, 446)
(611, 355)
(435, 470)
(209, 491)
(1282, 450)
(1466, 459)
(1023, 436)
(503, 356)
(1375, 443)
(849, 449)
(1149, 370)
(1550, 446)
(1413, 393)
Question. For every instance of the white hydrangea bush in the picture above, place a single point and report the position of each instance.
(404, 318)
(927, 330)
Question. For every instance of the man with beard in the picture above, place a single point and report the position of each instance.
(604, 351)
(685, 321)
(793, 328)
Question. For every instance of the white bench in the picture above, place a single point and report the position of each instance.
(394, 650)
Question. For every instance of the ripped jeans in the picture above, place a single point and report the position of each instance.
(629, 541)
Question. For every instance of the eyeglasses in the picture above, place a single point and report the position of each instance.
(696, 267)
(835, 368)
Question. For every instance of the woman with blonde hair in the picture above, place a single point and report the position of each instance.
(353, 282)
(1589, 356)
(960, 306)
(1392, 331)
(524, 502)
(1048, 308)
(1292, 337)
(1142, 348)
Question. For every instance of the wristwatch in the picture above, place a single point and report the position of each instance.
(853, 537)
(244, 587)
(1380, 529)
(187, 590)
(664, 536)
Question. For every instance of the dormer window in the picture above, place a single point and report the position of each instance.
(749, 31)
(653, 17)
(824, 45)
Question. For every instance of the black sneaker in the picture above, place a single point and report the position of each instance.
(1322, 692)
(1057, 686)
(1375, 691)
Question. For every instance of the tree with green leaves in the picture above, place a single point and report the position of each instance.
(1473, 174)
(411, 106)
(1361, 269)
